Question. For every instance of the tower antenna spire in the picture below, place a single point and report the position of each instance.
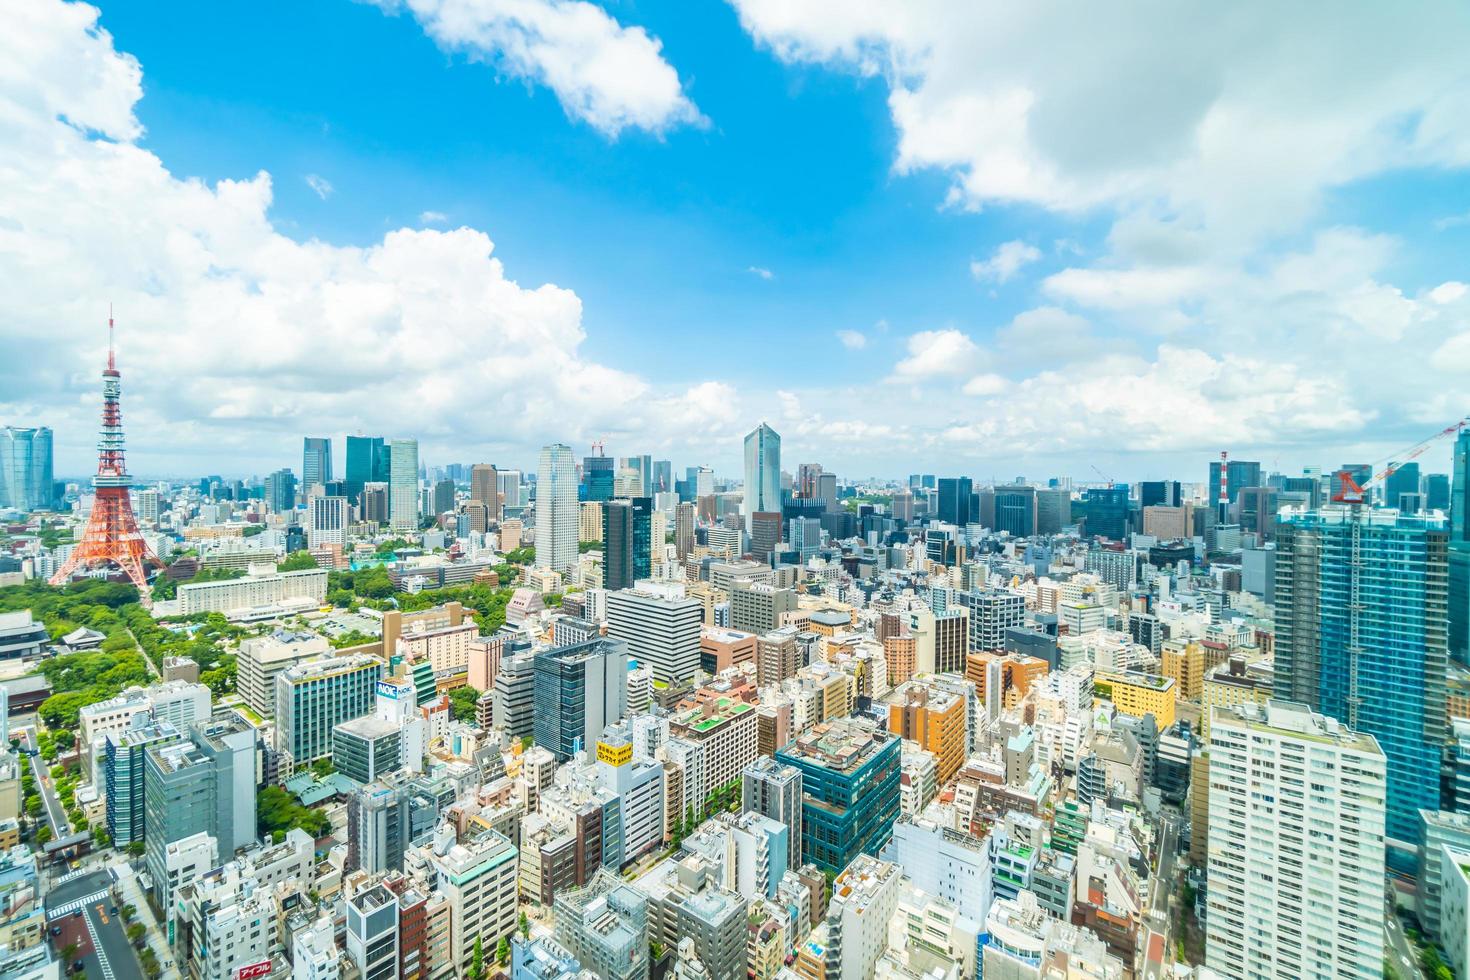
(112, 536)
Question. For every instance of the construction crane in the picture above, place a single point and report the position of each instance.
(1103, 475)
(1349, 491)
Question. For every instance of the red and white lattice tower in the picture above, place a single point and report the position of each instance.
(1223, 506)
(112, 533)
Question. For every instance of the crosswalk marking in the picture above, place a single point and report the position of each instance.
(97, 948)
(72, 906)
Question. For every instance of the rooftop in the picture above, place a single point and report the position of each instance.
(843, 744)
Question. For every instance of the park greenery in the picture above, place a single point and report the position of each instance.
(297, 561)
(278, 810)
(462, 703)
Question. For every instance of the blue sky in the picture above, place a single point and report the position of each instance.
(1051, 242)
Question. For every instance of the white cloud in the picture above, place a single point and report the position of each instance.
(761, 273)
(610, 76)
(320, 186)
(985, 385)
(235, 339)
(432, 217)
(1452, 221)
(852, 339)
(1008, 259)
(937, 354)
(1234, 115)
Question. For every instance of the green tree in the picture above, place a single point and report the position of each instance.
(502, 951)
(323, 768)
(276, 809)
(297, 561)
(525, 925)
(43, 836)
(477, 961)
(462, 702)
(135, 932)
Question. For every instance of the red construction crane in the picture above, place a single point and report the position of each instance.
(1350, 492)
(1103, 475)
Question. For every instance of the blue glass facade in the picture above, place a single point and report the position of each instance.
(1362, 602)
(848, 804)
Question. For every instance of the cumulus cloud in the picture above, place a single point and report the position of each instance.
(852, 339)
(607, 75)
(1005, 263)
(761, 273)
(936, 354)
(234, 338)
(1240, 114)
(432, 217)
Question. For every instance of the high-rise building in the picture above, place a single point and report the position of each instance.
(849, 776)
(935, 719)
(684, 530)
(774, 790)
(663, 477)
(605, 926)
(26, 481)
(1437, 491)
(1361, 627)
(661, 627)
(316, 462)
(762, 473)
(485, 489)
(326, 521)
(443, 498)
(1168, 493)
(598, 474)
(403, 484)
(1015, 510)
(580, 689)
(1053, 510)
(314, 697)
(372, 933)
(123, 767)
(1404, 479)
(1296, 852)
(556, 509)
(205, 785)
(515, 696)
(757, 607)
(1107, 512)
(478, 877)
(1459, 552)
(627, 533)
(1239, 473)
(280, 491)
(955, 493)
(367, 462)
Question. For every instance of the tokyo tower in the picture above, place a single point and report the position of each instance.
(112, 533)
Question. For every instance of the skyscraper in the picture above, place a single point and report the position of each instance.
(580, 690)
(25, 468)
(1361, 598)
(485, 489)
(556, 509)
(403, 484)
(954, 500)
(280, 491)
(1238, 473)
(762, 472)
(316, 462)
(627, 528)
(1459, 552)
(1403, 480)
(1295, 846)
(663, 477)
(598, 473)
(367, 462)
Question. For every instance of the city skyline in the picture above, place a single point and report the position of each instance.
(1029, 313)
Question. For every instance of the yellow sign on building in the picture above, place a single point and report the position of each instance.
(615, 755)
